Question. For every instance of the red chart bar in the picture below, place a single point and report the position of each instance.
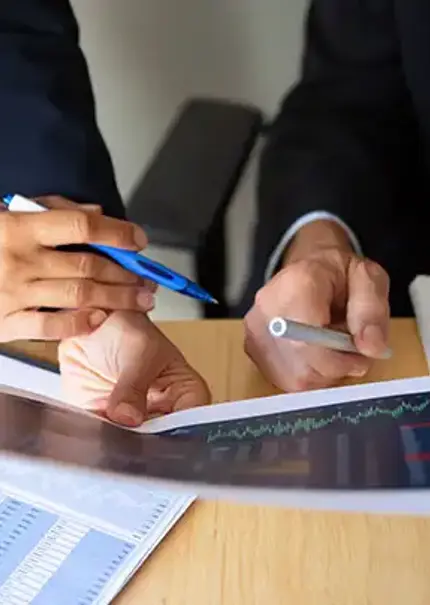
(418, 457)
(420, 425)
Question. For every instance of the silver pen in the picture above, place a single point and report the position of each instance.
(280, 327)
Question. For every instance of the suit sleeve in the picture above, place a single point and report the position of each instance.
(345, 141)
(50, 142)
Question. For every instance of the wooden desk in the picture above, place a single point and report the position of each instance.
(225, 554)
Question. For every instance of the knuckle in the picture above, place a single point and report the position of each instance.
(68, 325)
(379, 281)
(46, 326)
(36, 325)
(87, 265)
(81, 225)
(376, 270)
(116, 297)
(260, 297)
(127, 297)
(79, 292)
(302, 274)
(60, 326)
(124, 234)
(377, 273)
(49, 326)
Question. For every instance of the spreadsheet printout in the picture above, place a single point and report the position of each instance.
(67, 538)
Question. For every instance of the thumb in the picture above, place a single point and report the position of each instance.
(127, 403)
(368, 310)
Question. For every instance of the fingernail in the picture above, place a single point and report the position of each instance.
(145, 300)
(140, 237)
(358, 373)
(127, 414)
(97, 317)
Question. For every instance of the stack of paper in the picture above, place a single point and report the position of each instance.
(66, 538)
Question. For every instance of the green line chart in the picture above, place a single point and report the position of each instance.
(302, 422)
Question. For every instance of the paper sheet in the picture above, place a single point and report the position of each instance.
(19, 375)
(364, 448)
(419, 291)
(66, 538)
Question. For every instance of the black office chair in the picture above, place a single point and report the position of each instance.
(183, 197)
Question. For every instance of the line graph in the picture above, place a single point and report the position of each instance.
(294, 423)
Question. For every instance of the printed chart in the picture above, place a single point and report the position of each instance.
(368, 444)
(73, 540)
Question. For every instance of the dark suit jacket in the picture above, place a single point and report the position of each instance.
(49, 141)
(353, 137)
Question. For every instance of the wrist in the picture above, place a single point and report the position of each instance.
(316, 236)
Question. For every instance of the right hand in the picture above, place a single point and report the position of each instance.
(33, 274)
(322, 283)
(128, 371)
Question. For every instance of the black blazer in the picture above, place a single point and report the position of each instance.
(49, 141)
(353, 137)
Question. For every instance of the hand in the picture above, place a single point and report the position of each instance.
(129, 371)
(322, 283)
(34, 274)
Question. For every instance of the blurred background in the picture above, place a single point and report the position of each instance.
(147, 56)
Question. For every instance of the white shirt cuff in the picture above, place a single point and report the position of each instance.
(319, 215)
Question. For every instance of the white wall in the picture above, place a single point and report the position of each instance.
(147, 56)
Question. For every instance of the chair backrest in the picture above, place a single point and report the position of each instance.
(195, 171)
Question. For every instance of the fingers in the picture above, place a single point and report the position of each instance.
(33, 274)
(61, 265)
(332, 366)
(127, 370)
(306, 291)
(295, 366)
(56, 202)
(128, 400)
(179, 388)
(368, 311)
(84, 293)
(62, 227)
(34, 325)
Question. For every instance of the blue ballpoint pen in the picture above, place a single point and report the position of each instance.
(132, 261)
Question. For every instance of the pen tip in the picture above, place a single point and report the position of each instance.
(214, 301)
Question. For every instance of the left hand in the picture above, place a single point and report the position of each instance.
(322, 283)
(129, 371)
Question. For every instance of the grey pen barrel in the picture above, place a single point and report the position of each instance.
(280, 327)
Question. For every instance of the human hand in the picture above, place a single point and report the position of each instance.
(322, 283)
(33, 274)
(129, 371)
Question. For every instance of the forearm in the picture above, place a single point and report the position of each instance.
(51, 142)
